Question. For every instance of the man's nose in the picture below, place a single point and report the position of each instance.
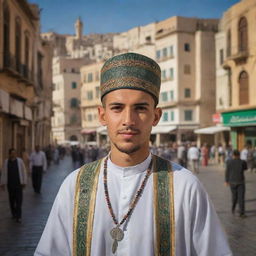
(129, 118)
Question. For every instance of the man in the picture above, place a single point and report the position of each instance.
(131, 202)
(38, 165)
(193, 156)
(14, 175)
(234, 178)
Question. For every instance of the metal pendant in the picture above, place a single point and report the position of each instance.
(117, 234)
(114, 246)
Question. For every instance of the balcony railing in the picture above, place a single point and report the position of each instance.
(16, 69)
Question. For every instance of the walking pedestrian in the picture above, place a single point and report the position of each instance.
(205, 154)
(193, 156)
(234, 177)
(14, 175)
(38, 165)
(132, 202)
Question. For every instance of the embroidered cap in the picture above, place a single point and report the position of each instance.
(131, 71)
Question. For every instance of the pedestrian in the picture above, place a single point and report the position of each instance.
(193, 156)
(205, 154)
(14, 176)
(132, 202)
(38, 165)
(182, 154)
(234, 177)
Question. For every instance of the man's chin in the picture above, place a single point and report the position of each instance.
(128, 149)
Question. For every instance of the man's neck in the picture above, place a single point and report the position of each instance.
(125, 160)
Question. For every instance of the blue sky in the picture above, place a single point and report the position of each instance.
(102, 16)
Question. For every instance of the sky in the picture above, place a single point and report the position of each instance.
(103, 16)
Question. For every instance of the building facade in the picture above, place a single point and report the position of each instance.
(25, 79)
(236, 72)
(185, 53)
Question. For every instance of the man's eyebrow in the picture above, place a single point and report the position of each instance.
(141, 104)
(115, 103)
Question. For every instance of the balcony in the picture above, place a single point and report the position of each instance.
(240, 57)
(15, 69)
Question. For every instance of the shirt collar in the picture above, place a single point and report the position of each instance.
(130, 170)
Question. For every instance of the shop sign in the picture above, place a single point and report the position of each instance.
(216, 118)
(240, 118)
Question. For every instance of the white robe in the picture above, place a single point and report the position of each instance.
(197, 228)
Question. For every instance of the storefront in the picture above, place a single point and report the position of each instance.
(243, 127)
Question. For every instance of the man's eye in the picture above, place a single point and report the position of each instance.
(141, 108)
(116, 108)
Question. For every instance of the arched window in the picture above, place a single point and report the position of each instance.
(229, 43)
(74, 103)
(243, 88)
(18, 43)
(6, 34)
(242, 34)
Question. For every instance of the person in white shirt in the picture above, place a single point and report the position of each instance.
(193, 156)
(38, 165)
(132, 202)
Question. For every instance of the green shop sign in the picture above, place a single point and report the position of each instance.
(239, 118)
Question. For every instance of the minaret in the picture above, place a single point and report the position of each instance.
(79, 28)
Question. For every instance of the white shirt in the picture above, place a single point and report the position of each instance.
(38, 159)
(244, 154)
(193, 153)
(197, 227)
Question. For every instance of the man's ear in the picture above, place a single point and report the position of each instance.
(158, 114)
(101, 115)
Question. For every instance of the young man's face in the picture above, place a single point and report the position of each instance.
(129, 116)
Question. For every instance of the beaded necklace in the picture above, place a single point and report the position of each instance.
(117, 233)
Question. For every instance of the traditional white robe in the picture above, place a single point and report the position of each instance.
(197, 228)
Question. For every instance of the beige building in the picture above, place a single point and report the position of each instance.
(236, 73)
(66, 120)
(185, 51)
(25, 79)
(90, 100)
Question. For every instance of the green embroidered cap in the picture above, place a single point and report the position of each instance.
(131, 71)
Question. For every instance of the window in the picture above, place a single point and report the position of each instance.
(89, 77)
(187, 47)
(242, 34)
(73, 70)
(163, 75)
(158, 54)
(243, 88)
(18, 43)
(172, 115)
(187, 69)
(164, 52)
(164, 96)
(74, 85)
(6, 34)
(165, 117)
(89, 95)
(26, 54)
(74, 103)
(171, 74)
(40, 69)
(89, 117)
(221, 56)
(188, 115)
(97, 76)
(229, 43)
(187, 93)
(73, 119)
(97, 88)
(171, 95)
(171, 51)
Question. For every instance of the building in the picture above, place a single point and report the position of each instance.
(186, 55)
(236, 73)
(25, 79)
(66, 120)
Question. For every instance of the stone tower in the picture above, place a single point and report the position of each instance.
(79, 28)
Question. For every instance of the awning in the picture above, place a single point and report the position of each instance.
(16, 107)
(163, 129)
(88, 131)
(212, 130)
(102, 130)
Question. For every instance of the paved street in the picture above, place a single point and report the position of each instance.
(21, 239)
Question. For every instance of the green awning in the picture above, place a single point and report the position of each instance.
(239, 118)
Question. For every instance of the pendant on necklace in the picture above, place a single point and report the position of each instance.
(117, 235)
